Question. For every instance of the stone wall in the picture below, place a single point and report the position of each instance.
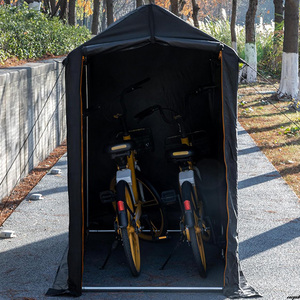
(32, 118)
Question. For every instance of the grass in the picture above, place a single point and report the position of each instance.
(271, 125)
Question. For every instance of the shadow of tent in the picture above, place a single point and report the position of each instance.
(258, 179)
(31, 268)
(272, 238)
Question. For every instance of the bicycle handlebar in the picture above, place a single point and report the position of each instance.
(176, 119)
(147, 112)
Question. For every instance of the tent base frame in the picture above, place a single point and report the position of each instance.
(150, 289)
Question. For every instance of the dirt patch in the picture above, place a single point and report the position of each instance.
(274, 126)
(23, 188)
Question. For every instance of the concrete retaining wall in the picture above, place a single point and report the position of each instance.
(32, 118)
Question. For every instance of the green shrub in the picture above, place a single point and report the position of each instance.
(31, 34)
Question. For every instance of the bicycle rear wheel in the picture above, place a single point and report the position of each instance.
(194, 234)
(153, 219)
(129, 235)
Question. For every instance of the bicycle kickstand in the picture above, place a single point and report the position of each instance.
(113, 247)
(172, 253)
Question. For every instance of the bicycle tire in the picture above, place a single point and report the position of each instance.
(129, 235)
(153, 213)
(194, 234)
(156, 214)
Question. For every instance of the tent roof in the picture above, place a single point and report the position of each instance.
(150, 24)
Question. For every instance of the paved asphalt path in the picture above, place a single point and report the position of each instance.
(269, 232)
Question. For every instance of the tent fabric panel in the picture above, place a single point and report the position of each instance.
(191, 43)
(235, 282)
(73, 106)
(126, 44)
(167, 24)
(114, 46)
(60, 286)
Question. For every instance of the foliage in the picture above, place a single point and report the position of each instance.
(30, 34)
(291, 131)
(219, 29)
(268, 56)
(83, 9)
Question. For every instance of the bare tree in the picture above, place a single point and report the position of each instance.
(250, 48)
(278, 19)
(72, 12)
(195, 13)
(174, 7)
(96, 16)
(109, 12)
(278, 30)
(63, 9)
(232, 25)
(290, 60)
(52, 6)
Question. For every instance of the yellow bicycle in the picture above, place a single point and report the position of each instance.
(192, 222)
(139, 212)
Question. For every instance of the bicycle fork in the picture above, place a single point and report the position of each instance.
(188, 206)
(122, 207)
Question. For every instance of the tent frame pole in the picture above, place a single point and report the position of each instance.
(113, 230)
(150, 289)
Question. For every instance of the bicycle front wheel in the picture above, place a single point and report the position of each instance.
(129, 235)
(194, 234)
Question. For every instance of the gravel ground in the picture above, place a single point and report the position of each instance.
(269, 230)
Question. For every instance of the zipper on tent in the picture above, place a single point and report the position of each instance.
(223, 121)
(82, 170)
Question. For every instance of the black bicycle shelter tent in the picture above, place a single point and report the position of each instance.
(181, 68)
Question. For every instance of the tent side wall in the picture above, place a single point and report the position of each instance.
(230, 85)
(75, 171)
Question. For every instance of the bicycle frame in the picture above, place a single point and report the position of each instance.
(128, 175)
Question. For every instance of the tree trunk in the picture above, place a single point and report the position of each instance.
(47, 6)
(96, 16)
(63, 7)
(72, 12)
(139, 3)
(232, 25)
(174, 7)
(278, 31)
(290, 60)
(52, 7)
(250, 47)
(109, 12)
(278, 17)
(195, 13)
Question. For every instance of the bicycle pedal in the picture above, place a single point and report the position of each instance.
(107, 197)
(169, 197)
(163, 237)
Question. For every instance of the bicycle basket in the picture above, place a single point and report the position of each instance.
(143, 139)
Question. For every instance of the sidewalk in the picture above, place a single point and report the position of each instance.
(269, 234)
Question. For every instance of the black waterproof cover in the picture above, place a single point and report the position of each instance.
(183, 69)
